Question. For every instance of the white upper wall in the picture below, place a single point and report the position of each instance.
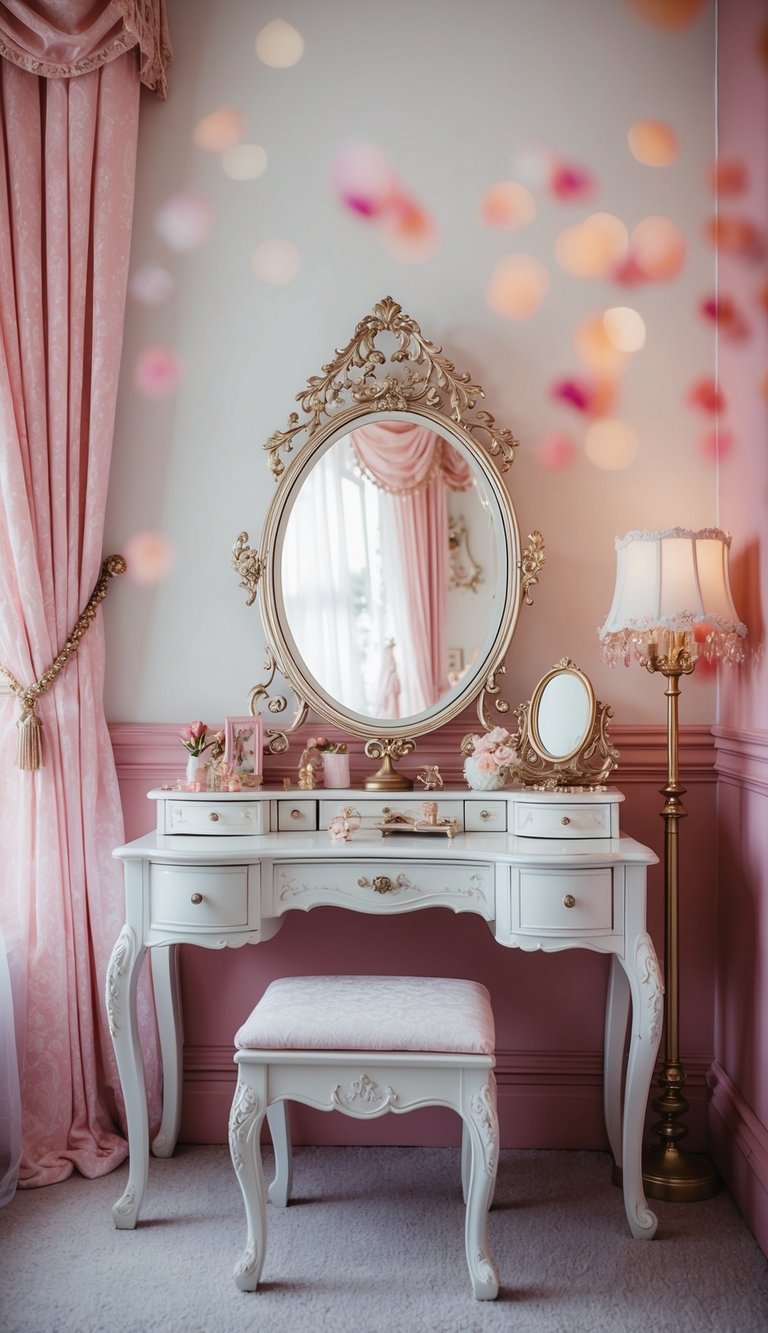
(452, 92)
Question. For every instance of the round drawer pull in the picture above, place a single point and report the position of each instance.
(296, 814)
(566, 819)
(485, 814)
(196, 898)
(213, 816)
(569, 900)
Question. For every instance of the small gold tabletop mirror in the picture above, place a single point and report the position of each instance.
(357, 588)
(562, 739)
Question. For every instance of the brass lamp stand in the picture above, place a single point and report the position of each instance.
(668, 1171)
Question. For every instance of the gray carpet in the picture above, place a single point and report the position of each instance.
(374, 1242)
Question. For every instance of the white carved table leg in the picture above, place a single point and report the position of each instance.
(642, 969)
(479, 1117)
(616, 1018)
(278, 1118)
(466, 1160)
(164, 962)
(245, 1121)
(122, 980)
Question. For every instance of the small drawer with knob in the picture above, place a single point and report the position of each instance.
(219, 817)
(548, 818)
(485, 816)
(200, 898)
(579, 902)
(296, 816)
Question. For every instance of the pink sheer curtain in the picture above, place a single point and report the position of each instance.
(415, 465)
(66, 201)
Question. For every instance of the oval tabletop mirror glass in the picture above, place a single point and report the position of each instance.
(373, 606)
(564, 714)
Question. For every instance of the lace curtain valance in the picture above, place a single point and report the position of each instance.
(59, 39)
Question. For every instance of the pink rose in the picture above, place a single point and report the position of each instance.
(485, 762)
(197, 730)
(504, 754)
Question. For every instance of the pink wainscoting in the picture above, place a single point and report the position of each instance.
(739, 1108)
(548, 1007)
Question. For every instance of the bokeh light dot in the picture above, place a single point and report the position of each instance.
(596, 349)
(363, 178)
(185, 221)
(669, 13)
(151, 284)
(592, 248)
(716, 445)
(517, 286)
(157, 372)
(658, 248)
(219, 131)
(276, 261)
(556, 451)
(409, 232)
(653, 143)
(610, 444)
(148, 557)
(279, 45)
(244, 162)
(625, 328)
(508, 204)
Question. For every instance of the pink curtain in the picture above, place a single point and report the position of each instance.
(415, 465)
(66, 202)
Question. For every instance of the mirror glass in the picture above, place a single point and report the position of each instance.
(564, 715)
(376, 606)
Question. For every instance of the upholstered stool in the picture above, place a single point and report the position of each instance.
(364, 1046)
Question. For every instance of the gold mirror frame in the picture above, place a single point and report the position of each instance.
(413, 382)
(587, 765)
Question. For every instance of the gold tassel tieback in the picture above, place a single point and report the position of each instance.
(30, 750)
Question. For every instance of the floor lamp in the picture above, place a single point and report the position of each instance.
(668, 584)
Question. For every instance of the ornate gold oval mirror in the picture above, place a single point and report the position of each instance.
(562, 738)
(363, 612)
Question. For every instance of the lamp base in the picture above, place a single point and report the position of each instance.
(677, 1177)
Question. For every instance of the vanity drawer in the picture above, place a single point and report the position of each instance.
(219, 818)
(296, 816)
(385, 885)
(373, 812)
(196, 897)
(561, 819)
(579, 902)
(485, 815)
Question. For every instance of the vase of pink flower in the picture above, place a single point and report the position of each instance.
(490, 763)
(196, 739)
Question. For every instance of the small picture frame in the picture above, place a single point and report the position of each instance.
(243, 745)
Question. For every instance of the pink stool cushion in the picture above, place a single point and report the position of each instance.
(371, 1014)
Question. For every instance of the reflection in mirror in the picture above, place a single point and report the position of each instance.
(365, 569)
(564, 715)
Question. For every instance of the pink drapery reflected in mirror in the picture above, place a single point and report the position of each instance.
(415, 467)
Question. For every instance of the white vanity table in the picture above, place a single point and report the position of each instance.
(373, 643)
(551, 893)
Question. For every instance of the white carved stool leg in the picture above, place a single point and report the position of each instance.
(642, 969)
(278, 1117)
(466, 1160)
(164, 962)
(478, 1111)
(122, 980)
(245, 1121)
(616, 1017)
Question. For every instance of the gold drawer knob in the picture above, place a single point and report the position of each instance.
(569, 900)
(485, 814)
(196, 898)
(296, 814)
(566, 819)
(213, 816)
